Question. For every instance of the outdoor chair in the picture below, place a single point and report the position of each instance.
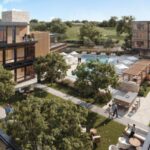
(113, 147)
(123, 144)
(96, 138)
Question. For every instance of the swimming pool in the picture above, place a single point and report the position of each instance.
(101, 58)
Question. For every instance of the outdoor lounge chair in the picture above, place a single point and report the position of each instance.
(113, 147)
(123, 144)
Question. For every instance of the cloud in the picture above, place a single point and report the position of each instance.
(10, 1)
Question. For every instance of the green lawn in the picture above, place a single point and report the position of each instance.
(108, 129)
(107, 32)
(72, 92)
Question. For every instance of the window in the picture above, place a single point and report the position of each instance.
(1, 56)
(2, 34)
(29, 72)
(140, 26)
(9, 55)
(140, 43)
(20, 54)
(20, 74)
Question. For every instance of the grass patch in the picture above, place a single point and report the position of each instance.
(71, 91)
(107, 129)
(73, 33)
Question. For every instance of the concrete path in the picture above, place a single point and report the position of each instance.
(93, 108)
(143, 112)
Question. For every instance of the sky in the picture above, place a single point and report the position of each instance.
(95, 10)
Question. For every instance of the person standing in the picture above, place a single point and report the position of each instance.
(115, 110)
(110, 111)
(132, 131)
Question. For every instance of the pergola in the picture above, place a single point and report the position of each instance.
(137, 72)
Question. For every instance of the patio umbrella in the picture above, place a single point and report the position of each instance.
(63, 54)
(74, 53)
(127, 62)
(132, 58)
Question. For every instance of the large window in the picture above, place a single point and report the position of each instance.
(20, 74)
(29, 72)
(9, 55)
(30, 52)
(3, 34)
(1, 57)
(20, 54)
(140, 43)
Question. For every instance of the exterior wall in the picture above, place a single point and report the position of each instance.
(20, 32)
(43, 45)
(15, 16)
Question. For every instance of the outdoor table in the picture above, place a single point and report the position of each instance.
(93, 131)
(135, 142)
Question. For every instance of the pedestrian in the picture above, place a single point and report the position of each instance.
(115, 110)
(132, 131)
(110, 111)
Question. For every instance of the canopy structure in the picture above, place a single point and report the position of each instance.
(63, 54)
(132, 58)
(120, 68)
(74, 53)
(69, 56)
(127, 62)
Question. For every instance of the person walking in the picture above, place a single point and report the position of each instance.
(110, 111)
(115, 110)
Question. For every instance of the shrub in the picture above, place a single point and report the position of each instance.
(141, 91)
(103, 97)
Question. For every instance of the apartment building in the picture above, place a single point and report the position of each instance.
(18, 47)
(141, 37)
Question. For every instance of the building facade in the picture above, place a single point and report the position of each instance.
(141, 37)
(17, 48)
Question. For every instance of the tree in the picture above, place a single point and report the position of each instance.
(40, 66)
(90, 32)
(108, 43)
(34, 21)
(93, 76)
(7, 88)
(112, 21)
(57, 26)
(69, 24)
(56, 67)
(48, 124)
(125, 25)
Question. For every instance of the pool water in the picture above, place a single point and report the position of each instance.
(101, 58)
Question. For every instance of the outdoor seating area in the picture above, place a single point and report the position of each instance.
(95, 137)
(130, 142)
(138, 72)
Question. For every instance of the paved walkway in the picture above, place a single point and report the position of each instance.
(143, 112)
(93, 108)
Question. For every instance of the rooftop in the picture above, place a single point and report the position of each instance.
(13, 24)
(137, 68)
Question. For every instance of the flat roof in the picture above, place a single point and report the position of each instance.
(137, 68)
(13, 24)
